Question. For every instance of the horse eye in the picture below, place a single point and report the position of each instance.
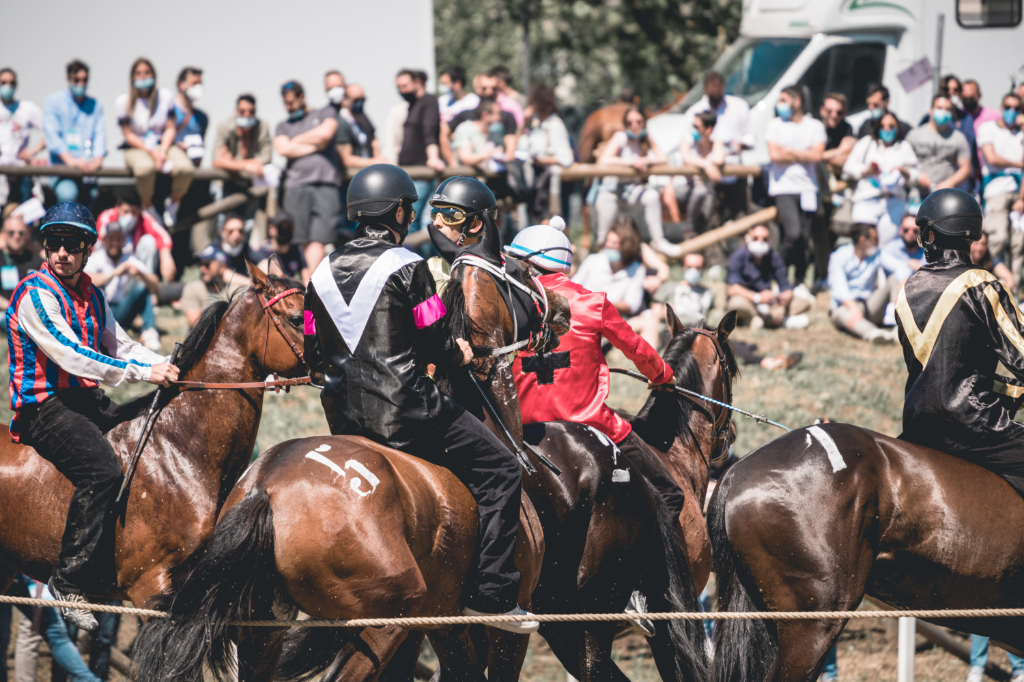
(296, 320)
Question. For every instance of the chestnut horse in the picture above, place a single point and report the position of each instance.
(818, 518)
(200, 442)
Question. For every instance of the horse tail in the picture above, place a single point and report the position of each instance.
(679, 646)
(307, 652)
(744, 649)
(236, 566)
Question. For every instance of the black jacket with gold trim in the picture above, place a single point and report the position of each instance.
(956, 323)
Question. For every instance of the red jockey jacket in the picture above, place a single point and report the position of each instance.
(571, 384)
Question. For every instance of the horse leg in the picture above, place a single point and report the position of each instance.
(505, 655)
(563, 639)
(803, 648)
(456, 653)
(368, 656)
(595, 654)
(258, 652)
(404, 662)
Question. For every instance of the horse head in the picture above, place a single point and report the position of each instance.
(277, 343)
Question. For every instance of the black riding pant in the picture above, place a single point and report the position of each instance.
(67, 430)
(647, 462)
(796, 225)
(495, 480)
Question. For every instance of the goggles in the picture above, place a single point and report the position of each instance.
(69, 243)
(450, 215)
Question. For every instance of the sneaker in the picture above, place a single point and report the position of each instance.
(81, 619)
(881, 337)
(171, 212)
(889, 319)
(801, 291)
(666, 248)
(638, 604)
(976, 674)
(524, 627)
(797, 321)
(756, 323)
(150, 338)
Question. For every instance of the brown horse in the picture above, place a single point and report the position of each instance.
(818, 518)
(200, 442)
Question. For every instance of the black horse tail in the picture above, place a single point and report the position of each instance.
(679, 646)
(744, 649)
(236, 567)
(307, 652)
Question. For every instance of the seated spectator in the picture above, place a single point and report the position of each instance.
(234, 242)
(508, 99)
(697, 193)
(859, 304)
(883, 164)
(452, 96)
(216, 281)
(905, 245)
(127, 284)
(145, 238)
(145, 116)
(19, 259)
(243, 141)
(691, 300)
(632, 147)
(617, 269)
(76, 133)
(18, 119)
(311, 197)
(752, 269)
(289, 256)
(878, 106)
(545, 143)
(191, 123)
(471, 143)
(982, 257)
(1002, 150)
(943, 152)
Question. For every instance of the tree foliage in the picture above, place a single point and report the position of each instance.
(590, 49)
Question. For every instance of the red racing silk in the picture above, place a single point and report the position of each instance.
(571, 383)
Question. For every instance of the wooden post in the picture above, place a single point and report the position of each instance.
(733, 228)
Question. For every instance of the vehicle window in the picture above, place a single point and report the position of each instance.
(988, 13)
(848, 69)
(751, 67)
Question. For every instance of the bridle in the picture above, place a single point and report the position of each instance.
(271, 317)
(720, 434)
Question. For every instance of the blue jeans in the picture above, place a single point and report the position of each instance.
(705, 606)
(136, 300)
(65, 653)
(102, 640)
(831, 669)
(979, 655)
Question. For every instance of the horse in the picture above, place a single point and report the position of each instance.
(341, 527)
(200, 442)
(816, 519)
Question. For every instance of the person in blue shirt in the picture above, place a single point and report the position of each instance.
(75, 131)
(860, 304)
(904, 245)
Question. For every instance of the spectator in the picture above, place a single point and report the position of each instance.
(145, 238)
(503, 134)
(943, 152)
(878, 106)
(697, 193)
(859, 304)
(420, 135)
(796, 142)
(1002, 147)
(453, 98)
(289, 257)
(982, 257)
(56, 632)
(839, 142)
(75, 132)
(974, 116)
(334, 86)
(951, 87)
(545, 143)
(394, 129)
(18, 259)
(191, 123)
(216, 281)
(311, 180)
(243, 141)
(690, 299)
(632, 147)
(508, 99)
(355, 103)
(617, 269)
(355, 141)
(126, 282)
(905, 246)
(838, 132)
(732, 129)
(235, 244)
(752, 269)
(471, 143)
(979, 659)
(145, 116)
(882, 164)
(17, 121)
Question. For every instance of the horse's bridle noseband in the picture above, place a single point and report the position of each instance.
(271, 317)
(720, 434)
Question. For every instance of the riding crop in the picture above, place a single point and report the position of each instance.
(679, 389)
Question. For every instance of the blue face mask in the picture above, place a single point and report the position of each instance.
(887, 136)
(613, 255)
(942, 117)
(695, 135)
(78, 90)
(245, 122)
(1009, 116)
(496, 129)
(7, 92)
(877, 113)
(297, 115)
(143, 83)
(642, 135)
(784, 111)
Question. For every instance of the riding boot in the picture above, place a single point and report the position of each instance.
(647, 462)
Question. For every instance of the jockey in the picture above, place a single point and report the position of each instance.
(456, 207)
(62, 341)
(372, 326)
(956, 323)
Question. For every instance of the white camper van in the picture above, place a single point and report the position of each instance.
(843, 45)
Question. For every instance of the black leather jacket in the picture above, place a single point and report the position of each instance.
(372, 326)
(956, 323)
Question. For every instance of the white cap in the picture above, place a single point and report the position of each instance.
(544, 245)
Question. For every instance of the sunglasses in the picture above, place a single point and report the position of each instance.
(68, 243)
(450, 215)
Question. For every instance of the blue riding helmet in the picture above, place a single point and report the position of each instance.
(73, 218)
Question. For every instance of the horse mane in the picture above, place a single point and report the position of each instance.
(457, 320)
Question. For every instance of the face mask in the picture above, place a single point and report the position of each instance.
(715, 102)
(759, 249)
(1009, 116)
(942, 117)
(195, 93)
(409, 97)
(357, 106)
(127, 222)
(876, 113)
(7, 92)
(784, 111)
(695, 135)
(970, 103)
(691, 276)
(444, 90)
(143, 83)
(887, 136)
(870, 251)
(613, 255)
(297, 115)
(336, 94)
(232, 251)
(957, 102)
(78, 90)
(245, 122)
(636, 136)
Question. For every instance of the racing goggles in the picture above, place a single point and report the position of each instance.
(450, 215)
(70, 243)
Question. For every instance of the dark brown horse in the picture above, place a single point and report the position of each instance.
(199, 445)
(820, 517)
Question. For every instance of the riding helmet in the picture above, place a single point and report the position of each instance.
(469, 194)
(70, 217)
(545, 246)
(951, 212)
(379, 189)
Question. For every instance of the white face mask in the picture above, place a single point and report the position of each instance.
(692, 276)
(195, 93)
(758, 249)
(232, 251)
(870, 251)
(336, 94)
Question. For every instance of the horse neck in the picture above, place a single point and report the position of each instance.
(679, 439)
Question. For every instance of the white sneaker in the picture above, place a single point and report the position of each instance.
(523, 627)
(976, 674)
(797, 321)
(881, 337)
(889, 319)
(801, 291)
(150, 338)
(638, 604)
(171, 212)
(666, 248)
(756, 323)
(80, 618)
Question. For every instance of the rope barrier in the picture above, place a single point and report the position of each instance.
(440, 621)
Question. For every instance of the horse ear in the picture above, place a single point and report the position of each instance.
(258, 277)
(446, 247)
(674, 325)
(726, 326)
(274, 267)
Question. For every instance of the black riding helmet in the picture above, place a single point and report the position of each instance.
(468, 195)
(377, 190)
(952, 213)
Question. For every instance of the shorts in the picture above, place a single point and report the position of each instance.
(315, 209)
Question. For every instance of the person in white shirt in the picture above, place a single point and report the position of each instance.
(617, 269)
(697, 193)
(883, 165)
(1001, 143)
(452, 96)
(796, 142)
(17, 121)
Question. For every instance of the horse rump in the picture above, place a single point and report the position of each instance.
(237, 561)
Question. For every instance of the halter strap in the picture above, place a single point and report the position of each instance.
(271, 317)
(283, 294)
